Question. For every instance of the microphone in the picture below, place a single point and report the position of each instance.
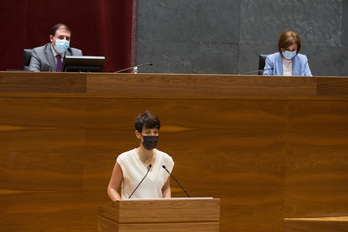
(133, 67)
(255, 71)
(148, 169)
(164, 167)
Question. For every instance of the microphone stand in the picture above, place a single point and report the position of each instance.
(133, 67)
(164, 166)
(148, 169)
(255, 71)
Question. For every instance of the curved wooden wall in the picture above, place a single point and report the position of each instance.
(269, 147)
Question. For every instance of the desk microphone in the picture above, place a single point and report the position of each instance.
(148, 169)
(164, 167)
(255, 71)
(133, 67)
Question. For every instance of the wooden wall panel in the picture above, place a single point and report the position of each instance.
(41, 157)
(28, 210)
(268, 148)
(249, 181)
(317, 161)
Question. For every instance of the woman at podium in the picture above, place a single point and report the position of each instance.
(139, 171)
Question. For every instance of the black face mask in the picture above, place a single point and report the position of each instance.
(150, 142)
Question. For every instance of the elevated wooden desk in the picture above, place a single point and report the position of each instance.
(171, 85)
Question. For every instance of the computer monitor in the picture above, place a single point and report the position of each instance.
(83, 64)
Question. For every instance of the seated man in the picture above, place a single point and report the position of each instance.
(50, 57)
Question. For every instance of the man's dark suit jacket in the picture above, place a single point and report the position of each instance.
(42, 58)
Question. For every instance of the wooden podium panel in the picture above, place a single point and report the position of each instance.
(105, 225)
(175, 214)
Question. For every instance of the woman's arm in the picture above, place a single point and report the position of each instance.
(166, 189)
(115, 182)
(269, 67)
(307, 69)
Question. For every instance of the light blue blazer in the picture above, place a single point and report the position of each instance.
(274, 65)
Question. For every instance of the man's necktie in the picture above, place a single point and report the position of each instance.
(59, 63)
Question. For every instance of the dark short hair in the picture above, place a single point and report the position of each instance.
(288, 38)
(57, 26)
(146, 120)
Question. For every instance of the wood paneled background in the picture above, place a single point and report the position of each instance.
(269, 147)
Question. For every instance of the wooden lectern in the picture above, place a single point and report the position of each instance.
(171, 214)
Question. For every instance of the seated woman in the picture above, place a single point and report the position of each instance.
(288, 61)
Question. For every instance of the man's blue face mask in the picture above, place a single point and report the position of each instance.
(61, 45)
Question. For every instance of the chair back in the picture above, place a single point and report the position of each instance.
(26, 59)
(262, 62)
